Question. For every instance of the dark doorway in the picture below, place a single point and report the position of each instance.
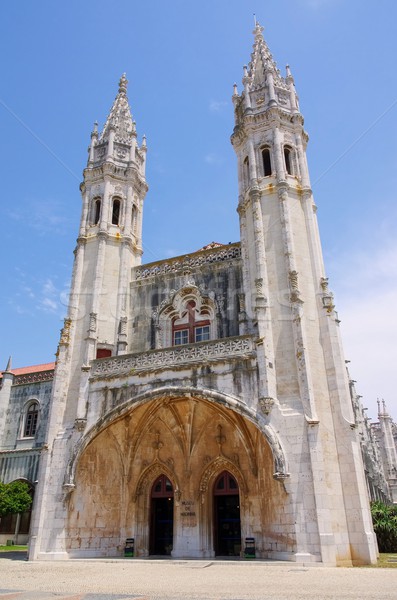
(161, 517)
(227, 526)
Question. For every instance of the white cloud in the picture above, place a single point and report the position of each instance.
(213, 159)
(217, 106)
(366, 298)
(49, 305)
(43, 216)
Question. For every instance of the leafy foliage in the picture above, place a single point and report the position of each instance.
(384, 518)
(14, 498)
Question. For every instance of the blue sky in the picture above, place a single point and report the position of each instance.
(60, 70)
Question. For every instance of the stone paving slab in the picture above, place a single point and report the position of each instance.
(116, 579)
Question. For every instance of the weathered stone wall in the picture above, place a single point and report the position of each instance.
(20, 397)
(215, 273)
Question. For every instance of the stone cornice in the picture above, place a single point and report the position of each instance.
(3, 453)
(272, 116)
(123, 174)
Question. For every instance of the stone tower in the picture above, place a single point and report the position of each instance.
(203, 400)
(303, 378)
(109, 244)
(384, 433)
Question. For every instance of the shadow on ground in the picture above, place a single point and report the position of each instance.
(15, 555)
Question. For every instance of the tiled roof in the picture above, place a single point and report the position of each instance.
(32, 369)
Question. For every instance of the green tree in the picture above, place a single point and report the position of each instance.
(384, 518)
(14, 498)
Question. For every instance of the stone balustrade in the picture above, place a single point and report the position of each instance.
(233, 348)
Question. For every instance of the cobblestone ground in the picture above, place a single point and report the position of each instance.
(132, 579)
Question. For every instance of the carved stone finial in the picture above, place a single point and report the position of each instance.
(258, 29)
(123, 84)
(324, 284)
(9, 367)
(65, 332)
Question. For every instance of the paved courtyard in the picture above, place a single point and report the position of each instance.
(131, 579)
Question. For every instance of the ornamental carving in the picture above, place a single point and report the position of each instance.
(93, 322)
(191, 261)
(266, 404)
(65, 332)
(227, 349)
(34, 377)
(293, 281)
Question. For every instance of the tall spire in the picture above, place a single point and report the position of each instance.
(263, 84)
(261, 57)
(120, 118)
(117, 143)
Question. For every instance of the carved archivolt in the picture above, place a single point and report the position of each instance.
(149, 476)
(214, 468)
(169, 392)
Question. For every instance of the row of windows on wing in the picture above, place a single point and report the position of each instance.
(266, 163)
(115, 213)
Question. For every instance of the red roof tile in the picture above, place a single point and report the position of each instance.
(33, 369)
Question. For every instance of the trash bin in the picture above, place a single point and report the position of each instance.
(249, 549)
(129, 547)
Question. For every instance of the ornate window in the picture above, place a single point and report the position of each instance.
(266, 162)
(186, 317)
(116, 211)
(31, 419)
(193, 325)
(288, 159)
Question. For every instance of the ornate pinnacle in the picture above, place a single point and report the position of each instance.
(123, 84)
(258, 29)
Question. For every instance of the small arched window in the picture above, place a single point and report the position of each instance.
(31, 419)
(288, 159)
(133, 219)
(116, 211)
(97, 210)
(267, 165)
(247, 168)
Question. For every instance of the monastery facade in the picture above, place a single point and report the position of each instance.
(201, 400)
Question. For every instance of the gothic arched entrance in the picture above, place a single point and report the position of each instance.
(227, 525)
(161, 516)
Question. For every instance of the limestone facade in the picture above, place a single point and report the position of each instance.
(204, 399)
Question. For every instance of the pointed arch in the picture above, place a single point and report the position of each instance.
(266, 161)
(116, 211)
(96, 210)
(149, 476)
(172, 392)
(288, 159)
(214, 469)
